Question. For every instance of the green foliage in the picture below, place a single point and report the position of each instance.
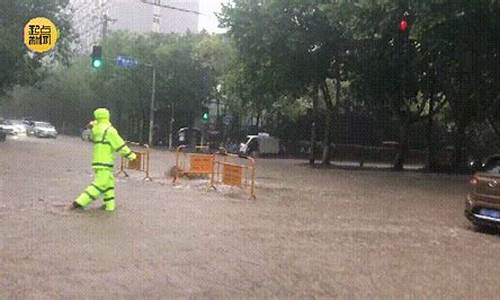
(17, 65)
(284, 45)
(187, 68)
(276, 58)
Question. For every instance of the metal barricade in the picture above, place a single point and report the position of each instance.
(197, 163)
(234, 170)
(141, 163)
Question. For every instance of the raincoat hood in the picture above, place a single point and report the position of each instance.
(101, 115)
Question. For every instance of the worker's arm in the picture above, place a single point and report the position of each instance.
(90, 127)
(119, 144)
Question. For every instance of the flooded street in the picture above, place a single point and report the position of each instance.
(311, 233)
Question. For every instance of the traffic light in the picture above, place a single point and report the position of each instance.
(204, 117)
(403, 25)
(96, 56)
(404, 33)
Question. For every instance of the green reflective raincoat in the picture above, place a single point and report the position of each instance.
(106, 141)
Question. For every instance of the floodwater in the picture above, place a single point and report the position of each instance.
(311, 233)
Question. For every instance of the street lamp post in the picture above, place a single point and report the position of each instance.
(217, 98)
(129, 62)
(170, 135)
(152, 105)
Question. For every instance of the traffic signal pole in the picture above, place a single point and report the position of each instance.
(152, 108)
(171, 127)
(128, 62)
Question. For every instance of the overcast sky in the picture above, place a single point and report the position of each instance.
(208, 20)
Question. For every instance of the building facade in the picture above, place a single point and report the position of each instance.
(93, 19)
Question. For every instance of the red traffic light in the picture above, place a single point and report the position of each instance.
(403, 25)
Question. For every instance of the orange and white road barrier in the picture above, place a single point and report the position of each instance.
(189, 164)
(141, 163)
(234, 170)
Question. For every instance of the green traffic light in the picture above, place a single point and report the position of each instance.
(97, 63)
(205, 116)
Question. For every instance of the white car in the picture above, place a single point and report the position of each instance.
(44, 129)
(260, 144)
(20, 126)
(9, 128)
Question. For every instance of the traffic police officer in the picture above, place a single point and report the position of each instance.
(106, 141)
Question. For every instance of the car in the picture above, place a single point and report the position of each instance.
(20, 126)
(260, 144)
(8, 128)
(189, 136)
(43, 129)
(482, 204)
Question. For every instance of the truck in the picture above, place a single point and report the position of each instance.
(261, 144)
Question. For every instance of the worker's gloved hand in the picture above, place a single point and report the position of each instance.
(132, 157)
(91, 124)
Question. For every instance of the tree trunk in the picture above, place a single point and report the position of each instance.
(119, 116)
(240, 123)
(258, 122)
(459, 147)
(431, 149)
(403, 146)
(337, 101)
(312, 154)
(325, 159)
(144, 127)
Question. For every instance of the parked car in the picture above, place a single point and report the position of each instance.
(20, 126)
(43, 129)
(189, 136)
(8, 127)
(260, 144)
(482, 205)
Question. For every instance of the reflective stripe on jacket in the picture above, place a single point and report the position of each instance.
(107, 141)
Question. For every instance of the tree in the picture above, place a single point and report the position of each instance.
(287, 48)
(386, 66)
(17, 64)
(68, 94)
(462, 38)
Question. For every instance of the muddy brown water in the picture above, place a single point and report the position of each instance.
(311, 233)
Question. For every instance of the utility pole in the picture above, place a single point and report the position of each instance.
(217, 119)
(152, 108)
(155, 27)
(158, 3)
(171, 127)
(105, 20)
(129, 62)
(218, 113)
